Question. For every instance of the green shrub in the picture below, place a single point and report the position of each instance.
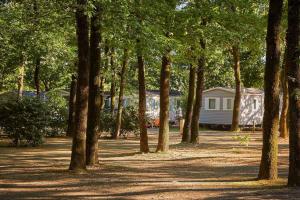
(24, 120)
(130, 122)
(32, 118)
(58, 114)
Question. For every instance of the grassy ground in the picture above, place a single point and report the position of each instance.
(218, 168)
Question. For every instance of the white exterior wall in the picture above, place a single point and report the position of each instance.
(224, 117)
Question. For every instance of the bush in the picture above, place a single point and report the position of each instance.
(58, 114)
(24, 120)
(130, 121)
(32, 118)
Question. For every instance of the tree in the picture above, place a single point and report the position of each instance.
(198, 98)
(268, 165)
(142, 101)
(78, 156)
(293, 66)
(283, 123)
(94, 102)
(72, 104)
(186, 135)
(113, 82)
(163, 137)
(121, 93)
(237, 98)
(21, 72)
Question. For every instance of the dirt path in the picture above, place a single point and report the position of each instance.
(218, 168)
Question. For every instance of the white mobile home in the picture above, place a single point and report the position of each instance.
(152, 103)
(152, 100)
(217, 106)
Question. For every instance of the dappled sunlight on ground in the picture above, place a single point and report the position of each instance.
(217, 168)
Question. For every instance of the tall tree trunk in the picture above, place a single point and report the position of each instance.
(78, 157)
(284, 132)
(102, 80)
(72, 104)
(21, 72)
(293, 66)
(121, 94)
(113, 83)
(268, 165)
(94, 106)
(163, 138)
(198, 98)
(237, 98)
(186, 135)
(37, 76)
(37, 60)
(144, 147)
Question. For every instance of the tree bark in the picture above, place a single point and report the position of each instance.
(72, 104)
(121, 94)
(268, 165)
(198, 98)
(37, 59)
(163, 138)
(78, 157)
(237, 98)
(102, 93)
(144, 147)
(21, 72)
(94, 106)
(113, 83)
(283, 127)
(37, 76)
(293, 66)
(186, 135)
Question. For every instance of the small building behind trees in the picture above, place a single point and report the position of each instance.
(152, 104)
(217, 106)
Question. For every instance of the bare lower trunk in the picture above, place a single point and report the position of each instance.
(37, 76)
(293, 66)
(198, 98)
(72, 104)
(163, 138)
(78, 157)
(21, 80)
(237, 98)
(142, 102)
(268, 165)
(186, 134)
(121, 94)
(284, 132)
(94, 107)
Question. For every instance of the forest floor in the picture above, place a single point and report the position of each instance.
(218, 168)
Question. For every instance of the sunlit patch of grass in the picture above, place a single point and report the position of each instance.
(263, 183)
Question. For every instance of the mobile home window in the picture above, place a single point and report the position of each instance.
(212, 103)
(227, 103)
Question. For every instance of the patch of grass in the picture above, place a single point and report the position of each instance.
(279, 183)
